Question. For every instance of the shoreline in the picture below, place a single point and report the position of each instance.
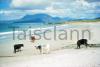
(67, 27)
(59, 25)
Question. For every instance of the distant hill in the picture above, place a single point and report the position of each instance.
(36, 18)
(98, 18)
(41, 18)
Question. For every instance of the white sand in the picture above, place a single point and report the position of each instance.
(63, 52)
(63, 58)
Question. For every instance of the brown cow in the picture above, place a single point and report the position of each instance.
(33, 38)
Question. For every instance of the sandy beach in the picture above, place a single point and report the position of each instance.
(63, 53)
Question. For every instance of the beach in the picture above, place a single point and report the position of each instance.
(61, 58)
(63, 52)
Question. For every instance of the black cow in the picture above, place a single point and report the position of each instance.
(17, 47)
(82, 42)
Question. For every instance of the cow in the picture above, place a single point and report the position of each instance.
(33, 39)
(17, 47)
(43, 48)
(82, 42)
(39, 47)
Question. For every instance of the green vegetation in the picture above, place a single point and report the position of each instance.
(81, 21)
(95, 20)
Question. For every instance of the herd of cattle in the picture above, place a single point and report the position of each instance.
(17, 47)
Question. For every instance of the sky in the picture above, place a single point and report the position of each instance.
(79, 9)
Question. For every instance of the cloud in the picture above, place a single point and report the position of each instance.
(30, 4)
(75, 9)
(93, 0)
(11, 14)
(62, 8)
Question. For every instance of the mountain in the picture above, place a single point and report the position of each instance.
(36, 18)
(98, 18)
(41, 18)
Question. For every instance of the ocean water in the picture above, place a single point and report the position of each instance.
(6, 29)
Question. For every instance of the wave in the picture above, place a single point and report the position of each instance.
(43, 28)
(58, 27)
(6, 33)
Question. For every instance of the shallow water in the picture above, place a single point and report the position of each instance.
(6, 35)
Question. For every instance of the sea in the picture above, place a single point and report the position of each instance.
(6, 29)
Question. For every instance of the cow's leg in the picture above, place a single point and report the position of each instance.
(86, 45)
(20, 49)
(40, 51)
(78, 45)
(14, 50)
